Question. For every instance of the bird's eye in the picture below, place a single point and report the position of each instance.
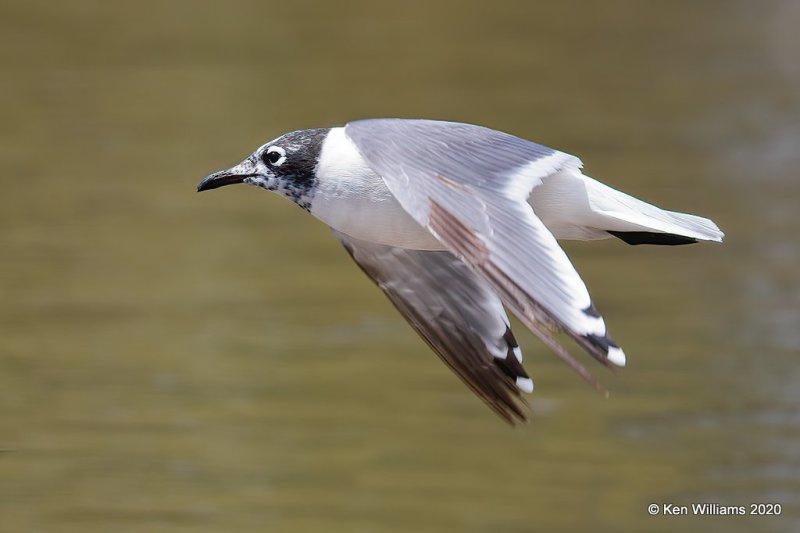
(275, 156)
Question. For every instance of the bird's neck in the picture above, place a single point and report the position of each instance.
(350, 197)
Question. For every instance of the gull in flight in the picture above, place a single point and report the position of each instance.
(454, 222)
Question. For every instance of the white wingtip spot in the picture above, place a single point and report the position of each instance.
(525, 384)
(616, 356)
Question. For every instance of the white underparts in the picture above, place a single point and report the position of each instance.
(350, 197)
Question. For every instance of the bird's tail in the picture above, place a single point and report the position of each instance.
(574, 206)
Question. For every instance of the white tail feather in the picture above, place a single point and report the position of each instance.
(574, 206)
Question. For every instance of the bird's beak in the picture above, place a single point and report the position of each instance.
(228, 176)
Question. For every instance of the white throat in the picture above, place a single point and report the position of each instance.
(350, 197)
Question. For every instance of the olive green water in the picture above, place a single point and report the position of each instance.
(180, 362)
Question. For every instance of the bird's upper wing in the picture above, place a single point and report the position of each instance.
(457, 315)
(468, 186)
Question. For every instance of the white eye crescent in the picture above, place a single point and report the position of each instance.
(275, 156)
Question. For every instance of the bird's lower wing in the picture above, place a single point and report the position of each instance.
(459, 317)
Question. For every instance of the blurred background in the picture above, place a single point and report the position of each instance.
(180, 362)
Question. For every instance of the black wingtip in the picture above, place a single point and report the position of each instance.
(591, 311)
(606, 350)
(650, 237)
(510, 366)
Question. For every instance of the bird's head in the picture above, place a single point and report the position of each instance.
(286, 165)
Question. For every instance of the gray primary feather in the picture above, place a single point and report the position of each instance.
(455, 312)
(468, 185)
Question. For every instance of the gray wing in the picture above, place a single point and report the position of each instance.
(459, 317)
(468, 186)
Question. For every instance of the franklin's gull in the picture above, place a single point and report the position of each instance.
(454, 221)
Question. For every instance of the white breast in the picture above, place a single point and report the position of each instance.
(350, 197)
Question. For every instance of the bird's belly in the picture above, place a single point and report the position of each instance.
(372, 214)
(350, 197)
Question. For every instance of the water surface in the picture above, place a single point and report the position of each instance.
(180, 362)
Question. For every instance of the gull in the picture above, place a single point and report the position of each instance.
(456, 223)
